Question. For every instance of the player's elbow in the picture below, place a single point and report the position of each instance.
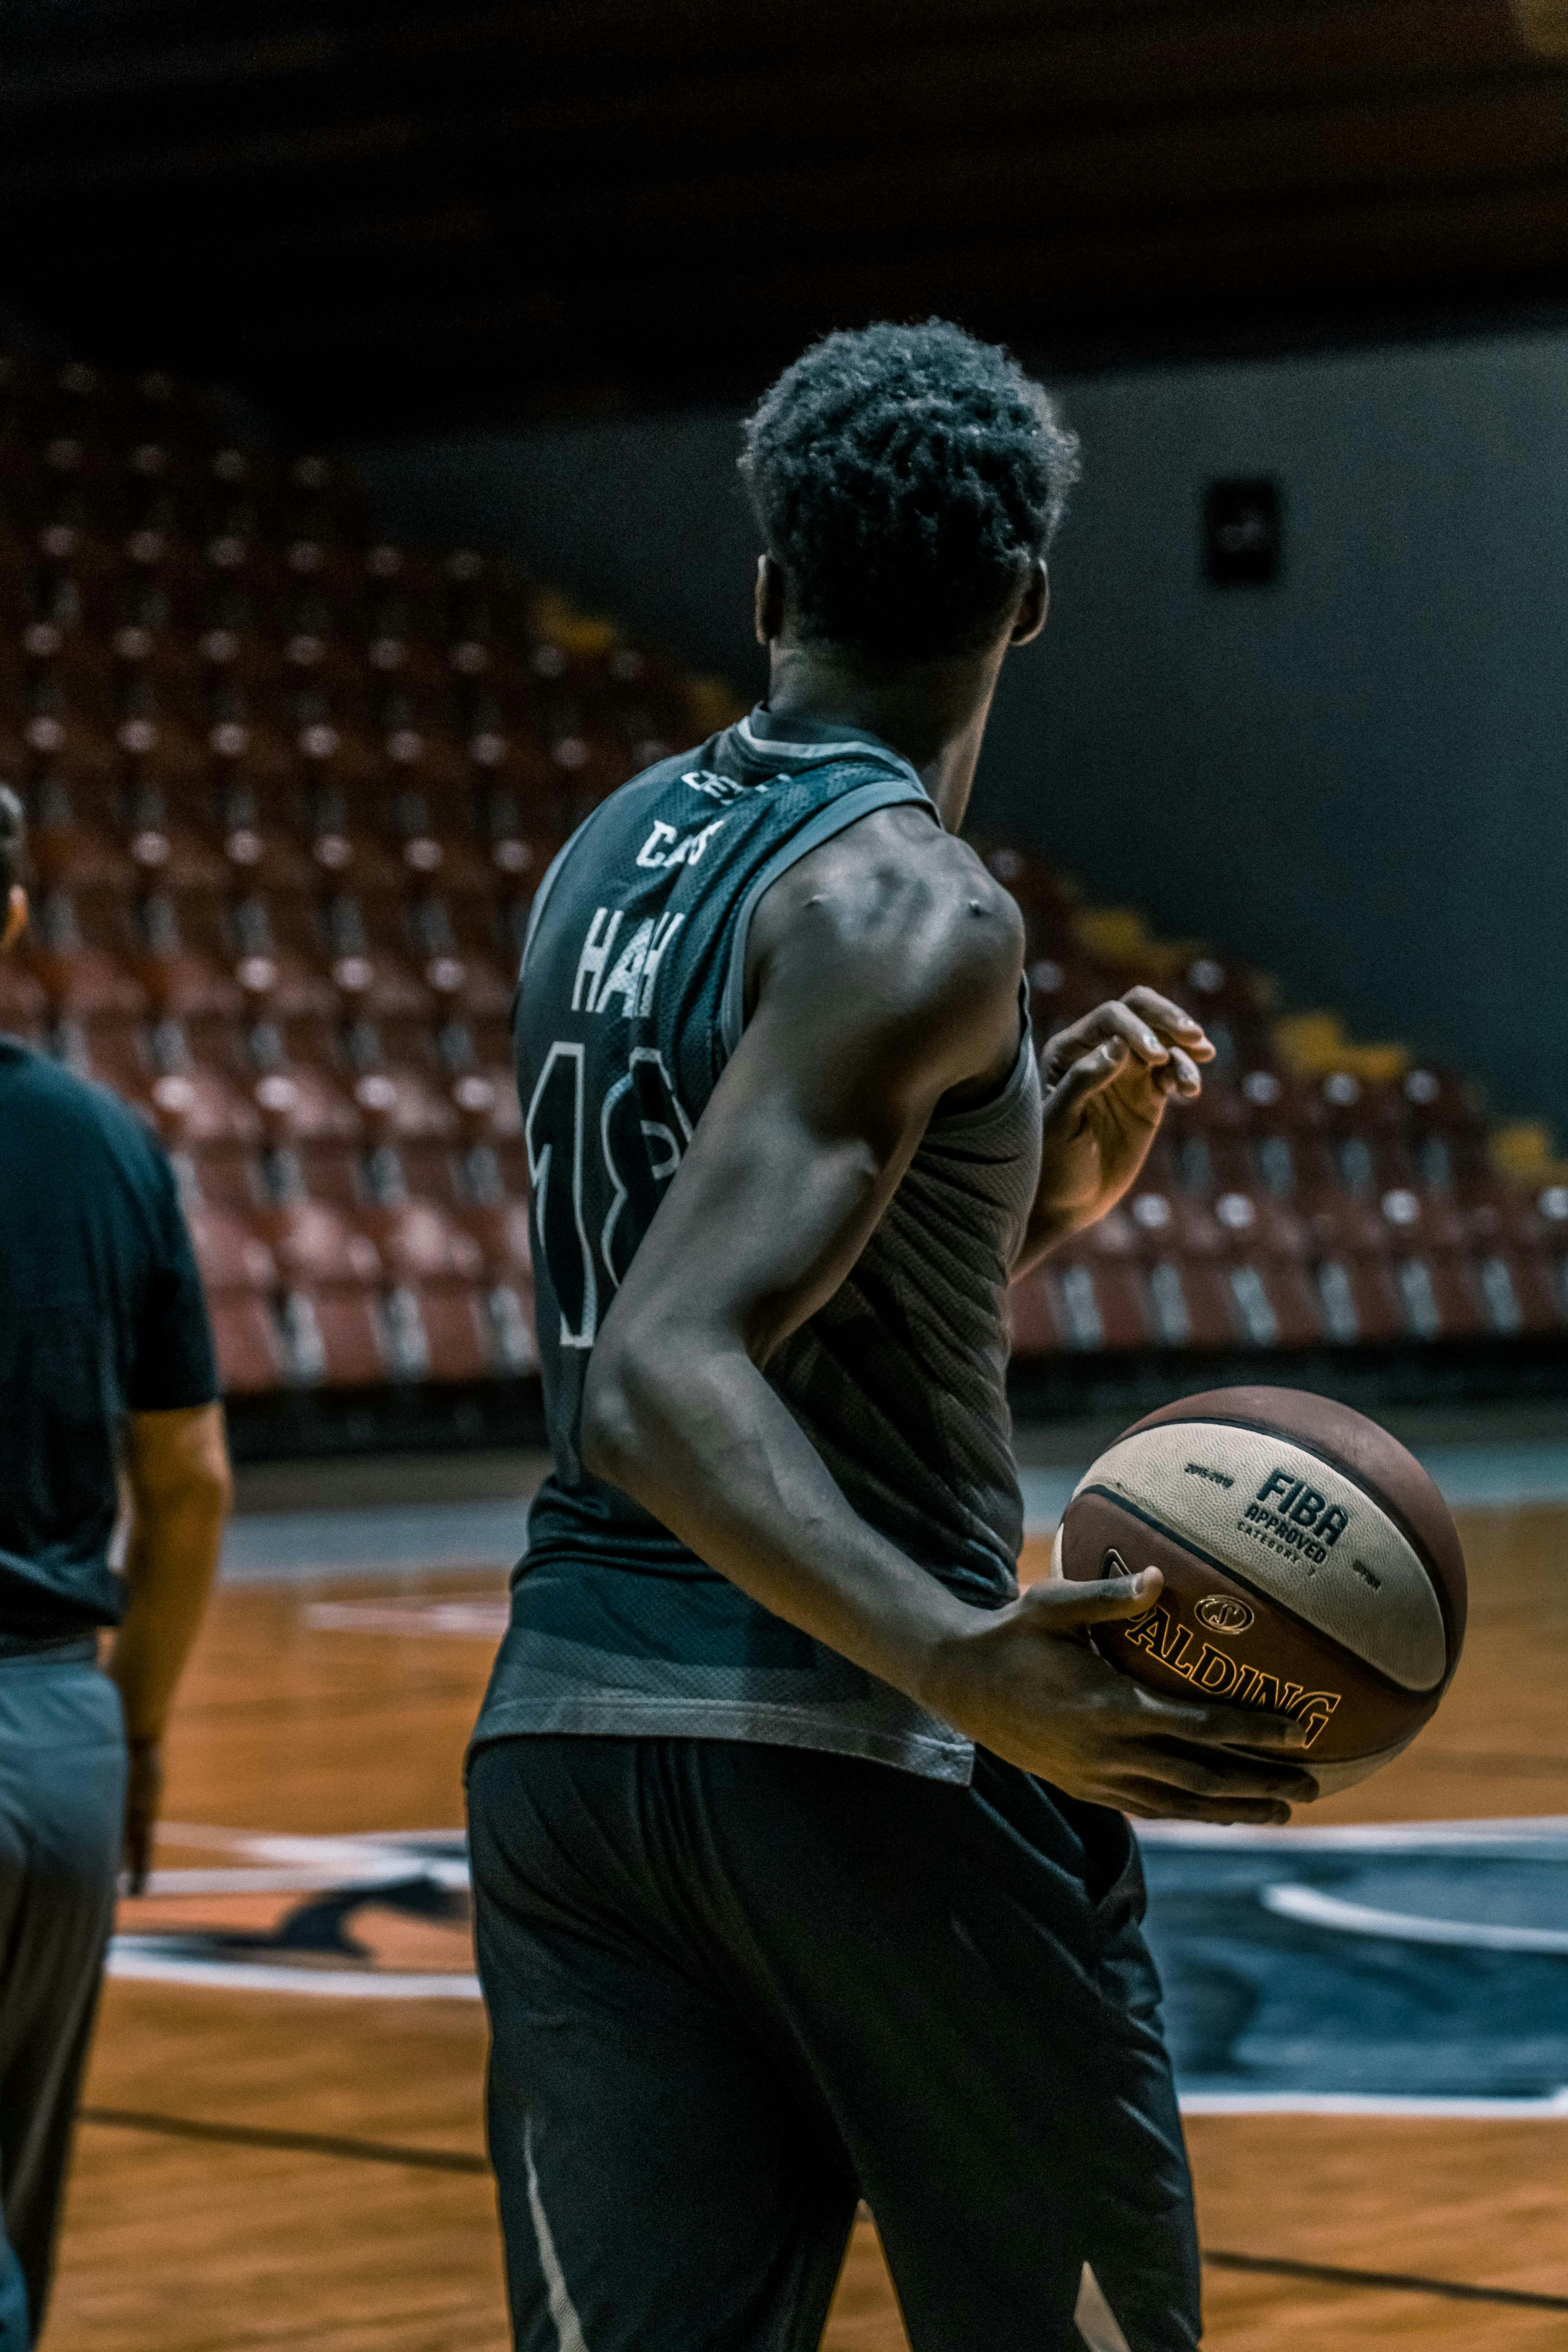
(615, 1434)
(178, 1465)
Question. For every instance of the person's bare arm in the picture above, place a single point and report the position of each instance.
(886, 978)
(176, 1465)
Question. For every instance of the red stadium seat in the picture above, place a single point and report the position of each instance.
(248, 733)
(169, 839)
(478, 1058)
(222, 1175)
(301, 1090)
(259, 853)
(510, 1306)
(507, 1156)
(74, 837)
(500, 1229)
(1031, 1316)
(399, 1086)
(71, 720)
(347, 843)
(1438, 1097)
(516, 849)
(231, 1253)
(250, 1357)
(371, 965)
(422, 744)
(421, 1171)
(1220, 1107)
(181, 955)
(454, 1326)
(1191, 1303)
(1255, 1225)
(467, 960)
(1280, 1103)
(316, 1171)
(1274, 1304)
(421, 1243)
(282, 956)
(1174, 1222)
(80, 946)
(162, 725)
(1099, 1303)
(1442, 1296)
(335, 1339)
(1499, 1215)
(1362, 1106)
(318, 1248)
(1337, 1223)
(1522, 1292)
(108, 1047)
(1360, 1299)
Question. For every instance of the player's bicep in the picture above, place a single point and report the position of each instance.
(812, 1124)
(789, 1169)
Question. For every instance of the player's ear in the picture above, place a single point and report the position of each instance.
(16, 916)
(1033, 605)
(769, 599)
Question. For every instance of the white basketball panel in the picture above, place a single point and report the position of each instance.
(1293, 1527)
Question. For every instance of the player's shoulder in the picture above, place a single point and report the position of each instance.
(895, 915)
(896, 880)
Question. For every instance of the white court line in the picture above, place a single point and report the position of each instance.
(464, 1620)
(159, 1967)
(1553, 2110)
(1313, 1908)
(1549, 1831)
(269, 1882)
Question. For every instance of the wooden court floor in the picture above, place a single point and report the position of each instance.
(260, 2167)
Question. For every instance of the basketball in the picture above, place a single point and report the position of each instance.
(1311, 1568)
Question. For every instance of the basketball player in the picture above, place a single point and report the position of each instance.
(105, 1359)
(799, 1853)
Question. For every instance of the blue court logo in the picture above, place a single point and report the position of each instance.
(1420, 1969)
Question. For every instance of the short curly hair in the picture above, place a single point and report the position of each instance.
(906, 478)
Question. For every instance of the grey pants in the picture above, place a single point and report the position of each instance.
(62, 1803)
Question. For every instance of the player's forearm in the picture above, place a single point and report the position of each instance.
(169, 1565)
(720, 1461)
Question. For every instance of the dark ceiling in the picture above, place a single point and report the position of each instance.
(389, 218)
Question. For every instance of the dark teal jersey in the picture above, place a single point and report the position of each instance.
(631, 1000)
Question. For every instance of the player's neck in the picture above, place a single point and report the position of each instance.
(933, 712)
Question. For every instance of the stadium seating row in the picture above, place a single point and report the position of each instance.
(291, 788)
(326, 1266)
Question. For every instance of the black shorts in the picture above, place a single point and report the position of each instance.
(734, 1988)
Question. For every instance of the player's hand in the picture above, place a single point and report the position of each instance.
(1107, 1080)
(1029, 1685)
(143, 1795)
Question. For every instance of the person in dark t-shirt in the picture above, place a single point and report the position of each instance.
(106, 1369)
